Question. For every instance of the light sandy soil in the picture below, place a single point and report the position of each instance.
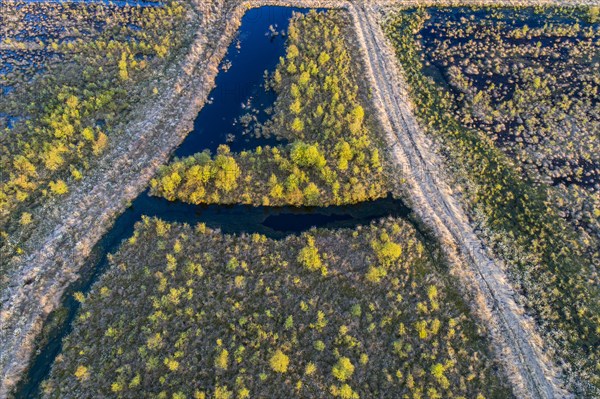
(77, 223)
(512, 333)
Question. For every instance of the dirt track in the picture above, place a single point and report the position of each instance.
(87, 213)
(513, 335)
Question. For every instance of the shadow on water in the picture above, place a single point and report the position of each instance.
(259, 51)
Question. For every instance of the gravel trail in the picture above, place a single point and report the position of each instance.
(513, 334)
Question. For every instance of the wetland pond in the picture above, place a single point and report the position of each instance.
(504, 100)
(239, 89)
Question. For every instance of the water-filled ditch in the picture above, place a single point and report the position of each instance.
(239, 88)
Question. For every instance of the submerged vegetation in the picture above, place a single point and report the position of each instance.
(75, 72)
(332, 155)
(512, 98)
(531, 84)
(191, 313)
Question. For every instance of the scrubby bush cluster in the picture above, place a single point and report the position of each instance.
(511, 95)
(102, 61)
(332, 156)
(187, 312)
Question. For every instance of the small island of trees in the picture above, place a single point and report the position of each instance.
(333, 156)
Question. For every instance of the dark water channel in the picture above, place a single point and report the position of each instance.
(253, 52)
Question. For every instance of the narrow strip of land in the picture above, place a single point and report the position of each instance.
(86, 214)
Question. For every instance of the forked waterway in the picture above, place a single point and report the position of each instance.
(239, 89)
